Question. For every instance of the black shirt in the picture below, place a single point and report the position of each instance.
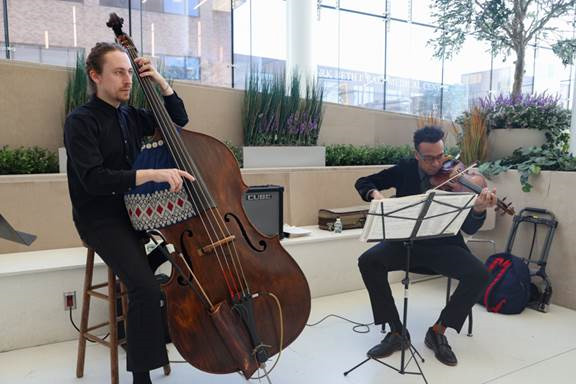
(102, 143)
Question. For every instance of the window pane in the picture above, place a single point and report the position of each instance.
(563, 30)
(503, 72)
(190, 48)
(415, 10)
(330, 3)
(181, 7)
(259, 38)
(181, 67)
(23, 52)
(376, 7)
(362, 60)
(58, 31)
(551, 75)
(413, 75)
(399, 9)
(466, 78)
(2, 42)
(328, 48)
(421, 11)
(197, 48)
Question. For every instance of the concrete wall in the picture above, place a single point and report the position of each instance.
(32, 110)
(32, 105)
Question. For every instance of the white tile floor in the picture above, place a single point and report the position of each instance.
(532, 347)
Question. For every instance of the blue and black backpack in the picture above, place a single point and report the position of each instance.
(509, 288)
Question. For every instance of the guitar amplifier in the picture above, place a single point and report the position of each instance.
(264, 207)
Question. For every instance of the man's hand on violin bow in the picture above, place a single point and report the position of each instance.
(148, 70)
(485, 199)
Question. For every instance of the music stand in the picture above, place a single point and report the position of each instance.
(9, 233)
(433, 215)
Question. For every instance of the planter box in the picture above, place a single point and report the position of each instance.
(502, 142)
(278, 156)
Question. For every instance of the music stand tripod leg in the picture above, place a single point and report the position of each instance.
(413, 351)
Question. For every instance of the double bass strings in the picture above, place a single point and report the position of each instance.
(182, 159)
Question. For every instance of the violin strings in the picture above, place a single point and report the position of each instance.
(455, 176)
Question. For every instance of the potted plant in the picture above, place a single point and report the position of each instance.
(280, 127)
(473, 138)
(521, 122)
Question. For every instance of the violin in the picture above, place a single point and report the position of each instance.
(455, 177)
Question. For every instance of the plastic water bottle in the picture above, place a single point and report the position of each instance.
(338, 226)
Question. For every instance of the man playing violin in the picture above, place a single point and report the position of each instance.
(103, 138)
(447, 256)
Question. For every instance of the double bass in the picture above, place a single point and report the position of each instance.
(235, 297)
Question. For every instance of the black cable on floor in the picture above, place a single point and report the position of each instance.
(364, 326)
(78, 329)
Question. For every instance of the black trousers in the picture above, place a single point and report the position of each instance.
(121, 248)
(453, 261)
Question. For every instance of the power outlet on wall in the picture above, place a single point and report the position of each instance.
(69, 300)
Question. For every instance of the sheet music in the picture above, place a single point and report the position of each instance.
(443, 216)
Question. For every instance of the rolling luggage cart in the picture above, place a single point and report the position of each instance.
(540, 298)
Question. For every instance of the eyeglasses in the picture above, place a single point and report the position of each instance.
(431, 159)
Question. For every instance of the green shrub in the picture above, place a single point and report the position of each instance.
(27, 161)
(346, 154)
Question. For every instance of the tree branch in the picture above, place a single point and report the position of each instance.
(555, 9)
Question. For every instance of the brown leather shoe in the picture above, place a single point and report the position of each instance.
(442, 350)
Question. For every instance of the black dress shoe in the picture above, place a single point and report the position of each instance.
(391, 343)
(442, 350)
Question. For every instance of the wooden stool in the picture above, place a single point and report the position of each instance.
(90, 290)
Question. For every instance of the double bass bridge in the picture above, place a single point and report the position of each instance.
(211, 247)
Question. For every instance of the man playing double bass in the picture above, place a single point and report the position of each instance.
(447, 256)
(102, 139)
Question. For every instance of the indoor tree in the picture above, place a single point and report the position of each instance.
(507, 25)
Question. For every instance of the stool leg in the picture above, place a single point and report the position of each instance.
(124, 299)
(85, 311)
(113, 326)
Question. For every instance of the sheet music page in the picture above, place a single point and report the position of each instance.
(400, 215)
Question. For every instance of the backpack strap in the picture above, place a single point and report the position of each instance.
(504, 264)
